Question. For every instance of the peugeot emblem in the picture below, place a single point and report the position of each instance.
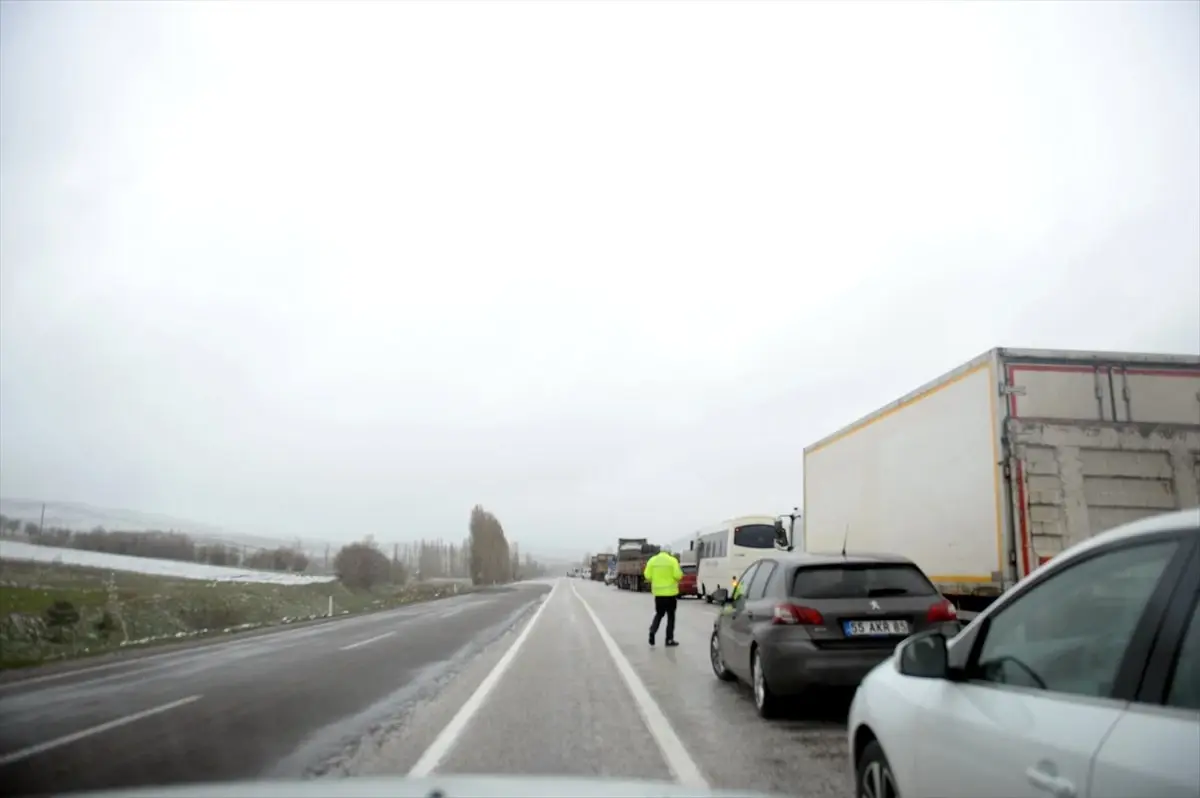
(875, 605)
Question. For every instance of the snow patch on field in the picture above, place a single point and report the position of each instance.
(28, 552)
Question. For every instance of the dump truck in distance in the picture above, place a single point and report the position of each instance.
(985, 473)
(632, 556)
(600, 566)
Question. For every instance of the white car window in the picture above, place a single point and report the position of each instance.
(1185, 678)
(1151, 752)
(1069, 633)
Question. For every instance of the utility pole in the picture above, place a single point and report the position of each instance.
(42, 523)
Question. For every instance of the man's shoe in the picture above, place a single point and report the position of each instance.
(651, 639)
(672, 643)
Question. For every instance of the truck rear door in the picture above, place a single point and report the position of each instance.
(1095, 446)
(1103, 392)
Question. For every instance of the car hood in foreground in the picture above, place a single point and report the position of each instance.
(433, 787)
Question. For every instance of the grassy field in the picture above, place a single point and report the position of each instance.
(52, 612)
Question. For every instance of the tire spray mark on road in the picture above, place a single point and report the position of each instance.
(336, 749)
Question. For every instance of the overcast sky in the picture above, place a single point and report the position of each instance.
(604, 268)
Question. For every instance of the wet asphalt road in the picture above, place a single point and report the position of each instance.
(557, 675)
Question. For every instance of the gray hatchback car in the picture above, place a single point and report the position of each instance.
(810, 620)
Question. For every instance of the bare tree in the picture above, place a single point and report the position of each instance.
(280, 559)
(490, 563)
(362, 566)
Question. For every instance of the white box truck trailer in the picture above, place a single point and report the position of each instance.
(990, 470)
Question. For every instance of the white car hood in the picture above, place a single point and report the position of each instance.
(433, 787)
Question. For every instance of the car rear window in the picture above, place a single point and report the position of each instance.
(868, 581)
(689, 569)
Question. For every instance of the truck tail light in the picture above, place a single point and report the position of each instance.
(791, 614)
(941, 612)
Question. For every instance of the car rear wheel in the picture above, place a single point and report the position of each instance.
(718, 661)
(874, 777)
(765, 701)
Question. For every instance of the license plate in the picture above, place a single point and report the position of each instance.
(874, 628)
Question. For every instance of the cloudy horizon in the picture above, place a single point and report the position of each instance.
(328, 269)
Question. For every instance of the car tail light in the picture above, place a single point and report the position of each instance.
(941, 612)
(795, 614)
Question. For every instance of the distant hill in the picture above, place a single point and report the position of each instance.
(82, 517)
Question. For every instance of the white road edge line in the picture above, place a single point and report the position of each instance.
(445, 740)
(25, 753)
(369, 640)
(682, 766)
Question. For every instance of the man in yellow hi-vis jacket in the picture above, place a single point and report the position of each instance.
(663, 573)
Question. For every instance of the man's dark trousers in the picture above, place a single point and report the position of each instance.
(664, 605)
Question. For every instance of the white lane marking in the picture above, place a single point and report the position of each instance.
(158, 663)
(219, 644)
(682, 766)
(453, 611)
(138, 675)
(203, 649)
(25, 753)
(369, 640)
(445, 741)
(131, 662)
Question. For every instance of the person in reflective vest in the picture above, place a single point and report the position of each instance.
(663, 573)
